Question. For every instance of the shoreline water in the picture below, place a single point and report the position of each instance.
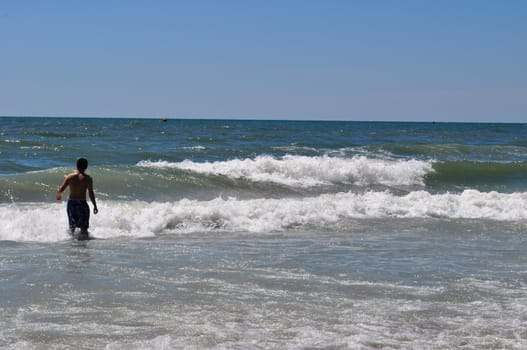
(418, 287)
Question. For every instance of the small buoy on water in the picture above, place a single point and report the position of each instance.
(164, 120)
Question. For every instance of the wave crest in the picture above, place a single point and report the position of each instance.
(303, 171)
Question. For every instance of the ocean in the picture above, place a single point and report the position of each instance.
(232, 234)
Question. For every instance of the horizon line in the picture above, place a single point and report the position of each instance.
(238, 118)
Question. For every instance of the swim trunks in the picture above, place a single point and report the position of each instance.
(78, 214)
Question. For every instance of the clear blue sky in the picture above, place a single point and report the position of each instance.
(457, 60)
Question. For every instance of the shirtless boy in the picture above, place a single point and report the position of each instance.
(78, 209)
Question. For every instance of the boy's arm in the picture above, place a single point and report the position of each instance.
(92, 196)
(62, 188)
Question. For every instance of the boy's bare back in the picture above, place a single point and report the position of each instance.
(78, 184)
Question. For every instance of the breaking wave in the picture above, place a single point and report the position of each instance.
(327, 211)
(303, 171)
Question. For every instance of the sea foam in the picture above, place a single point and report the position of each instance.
(303, 171)
(42, 222)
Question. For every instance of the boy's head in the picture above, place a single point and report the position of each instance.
(82, 164)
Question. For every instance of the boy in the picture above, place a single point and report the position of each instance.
(78, 209)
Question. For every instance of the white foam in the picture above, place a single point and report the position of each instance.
(44, 222)
(195, 148)
(33, 222)
(303, 171)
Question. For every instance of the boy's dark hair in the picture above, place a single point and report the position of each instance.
(82, 164)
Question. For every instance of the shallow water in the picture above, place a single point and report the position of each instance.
(400, 284)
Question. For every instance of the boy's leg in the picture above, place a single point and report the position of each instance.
(72, 217)
(84, 220)
(83, 234)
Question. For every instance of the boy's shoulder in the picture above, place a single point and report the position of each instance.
(78, 175)
(84, 177)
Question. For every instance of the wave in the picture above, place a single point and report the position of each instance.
(304, 171)
(137, 183)
(454, 152)
(43, 222)
(267, 176)
(482, 175)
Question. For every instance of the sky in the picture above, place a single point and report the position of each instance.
(372, 60)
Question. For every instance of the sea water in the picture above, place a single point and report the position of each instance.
(229, 234)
